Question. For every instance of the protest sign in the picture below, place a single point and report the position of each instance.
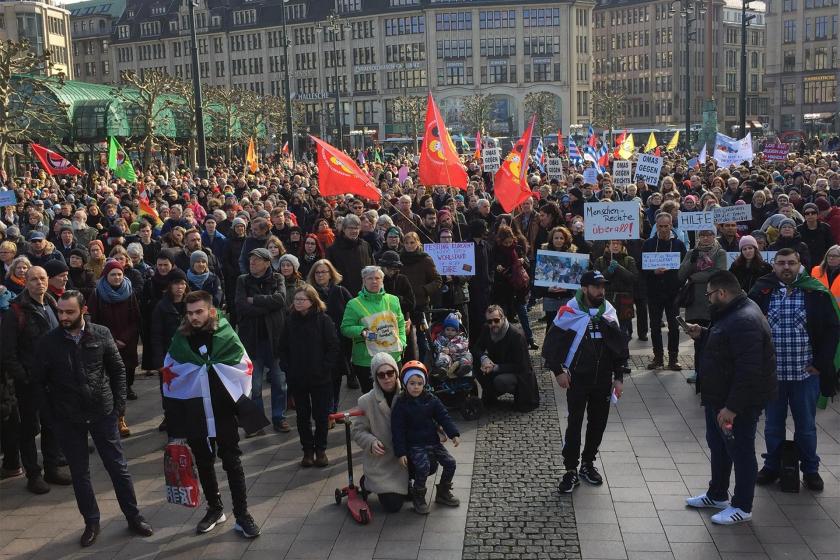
(731, 151)
(492, 158)
(611, 220)
(590, 176)
(8, 198)
(452, 259)
(768, 257)
(622, 173)
(735, 213)
(559, 270)
(696, 221)
(669, 260)
(648, 167)
(554, 168)
(776, 152)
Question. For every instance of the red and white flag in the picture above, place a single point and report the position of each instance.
(53, 162)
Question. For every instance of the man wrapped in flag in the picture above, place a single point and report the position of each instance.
(206, 386)
(587, 352)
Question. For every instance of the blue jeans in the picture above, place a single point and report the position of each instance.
(277, 378)
(802, 397)
(739, 451)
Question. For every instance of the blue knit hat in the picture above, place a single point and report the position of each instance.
(452, 321)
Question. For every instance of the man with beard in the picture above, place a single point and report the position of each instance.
(587, 352)
(83, 233)
(82, 382)
(350, 254)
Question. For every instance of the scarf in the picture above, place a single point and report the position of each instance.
(583, 306)
(502, 332)
(109, 294)
(575, 316)
(198, 279)
(806, 282)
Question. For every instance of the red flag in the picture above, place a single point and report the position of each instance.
(657, 152)
(510, 186)
(604, 160)
(339, 174)
(477, 155)
(618, 142)
(285, 148)
(53, 162)
(439, 160)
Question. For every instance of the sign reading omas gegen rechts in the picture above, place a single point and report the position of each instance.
(492, 159)
(622, 173)
(648, 168)
(554, 168)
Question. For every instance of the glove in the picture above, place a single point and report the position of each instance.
(613, 266)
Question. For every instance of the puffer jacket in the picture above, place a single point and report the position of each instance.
(262, 321)
(364, 305)
(316, 350)
(414, 422)
(81, 382)
(19, 344)
(423, 276)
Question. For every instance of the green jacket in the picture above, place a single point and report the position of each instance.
(366, 304)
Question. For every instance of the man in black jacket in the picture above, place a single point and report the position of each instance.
(587, 352)
(350, 254)
(736, 377)
(82, 383)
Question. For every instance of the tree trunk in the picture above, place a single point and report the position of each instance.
(148, 144)
(3, 146)
(192, 153)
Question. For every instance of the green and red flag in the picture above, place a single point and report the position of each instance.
(119, 163)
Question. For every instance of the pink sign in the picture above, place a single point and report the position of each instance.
(776, 152)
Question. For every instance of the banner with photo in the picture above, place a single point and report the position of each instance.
(559, 270)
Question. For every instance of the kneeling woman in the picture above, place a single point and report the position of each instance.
(384, 475)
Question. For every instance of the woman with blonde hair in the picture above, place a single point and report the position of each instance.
(15, 280)
(828, 271)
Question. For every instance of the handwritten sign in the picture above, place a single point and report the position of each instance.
(590, 176)
(768, 257)
(622, 173)
(611, 220)
(776, 152)
(452, 259)
(492, 158)
(668, 259)
(648, 168)
(697, 221)
(554, 168)
(736, 213)
(8, 198)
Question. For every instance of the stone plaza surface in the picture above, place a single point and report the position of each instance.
(653, 456)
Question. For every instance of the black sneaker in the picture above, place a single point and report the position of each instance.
(210, 520)
(245, 524)
(130, 394)
(813, 481)
(766, 476)
(570, 480)
(590, 474)
(352, 382)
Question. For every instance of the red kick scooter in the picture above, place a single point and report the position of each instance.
(356, 497)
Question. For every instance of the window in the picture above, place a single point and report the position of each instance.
(218, 46)
(106, 68)
(453, 21)
(149, 28)
(295, 12)
(158, 10)
(364, 82)
(399, 3)
(497, 19)
(405, 26)
(455, 73)
(820, 89)
(547, 45)
(731, 103)
(366, 112)
(347, 6)
(789, 5)
(401, 79)
(497, 72)
(788, 94)
(454, 48)
(500, 46)
(220, 68)
(789, 35)
(541, 17)
(582, 103)
(90, 69)
(754, 82)
(123, 32)
(364, 55)
(302, 36)
(406, 52)
(244, 17)
(362, 29)
(788, 61)
(821, 27)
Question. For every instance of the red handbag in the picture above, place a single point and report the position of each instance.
(182, 484)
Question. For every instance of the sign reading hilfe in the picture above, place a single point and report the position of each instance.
(648, 168)
(611, 220)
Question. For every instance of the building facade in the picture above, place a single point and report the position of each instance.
(92, 25)
(640, 50)
(382, 50)
(45, 24)
(803, 65)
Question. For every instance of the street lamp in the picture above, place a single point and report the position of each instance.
(286, 86)
(691, 10)
(745, 21)
(335, 25)
(199, 109)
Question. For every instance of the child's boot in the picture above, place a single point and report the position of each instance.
(418, 496)
(445, 496)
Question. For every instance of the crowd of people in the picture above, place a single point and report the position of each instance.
(325, 294)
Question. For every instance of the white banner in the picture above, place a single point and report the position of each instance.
(730, 151)
(697, 221)
(492, 158)
(452, 259)
(611, 220)
(622, 173)
(648, 167)
(554, 168)
(768, 257)
(668, 260)
(735, 213)
(590, 176)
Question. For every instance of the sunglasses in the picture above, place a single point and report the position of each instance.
(386, 374)
(493, 321)
(809, 213)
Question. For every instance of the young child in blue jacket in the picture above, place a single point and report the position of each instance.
(414, 429)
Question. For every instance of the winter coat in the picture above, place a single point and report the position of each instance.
(697, 267)
(414, 422)
(81, 382)
(833, 221)
(530, 231)
(164, 324)
(662, 287)
(261, 322)
(230, 264)
(622, 281)
(747, 276)
(422, 274)
(737, 358)
(20, 335)
(123, 320)
(349, 257)
(399, 286)
(588, 370)
(511, 355)
(818, 274)
(310, 350)
(797, 245)
(818, 240)
(366, 304)
(383, 474)
(248, 245)
(212, 286)
(8, 399)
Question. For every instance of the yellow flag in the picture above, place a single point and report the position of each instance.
(627, 148)
(672, 145)
(251, 156)
(651, 143)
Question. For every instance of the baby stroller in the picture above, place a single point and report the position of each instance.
(457, 389)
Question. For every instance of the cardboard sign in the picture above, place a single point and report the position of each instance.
(776, 152)
(554, 269)
(492, 158)
(611, 220)
(735, 213)
(648, 168)
(669, 260)
(590, 176)
(452, 259)
(622, 173)
(7, 198)
(554, 168)
(768, 257)
(696, 221)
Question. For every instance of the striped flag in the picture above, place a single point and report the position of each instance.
(539, 156)
(593, 139)
(574, 152)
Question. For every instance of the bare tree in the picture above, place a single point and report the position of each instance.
(477, 110)
(266, 111)
(186, 111)
(411, 110)
(225, 104)
(608, 109)
(147, 100)
(542, 105)
(27, 108)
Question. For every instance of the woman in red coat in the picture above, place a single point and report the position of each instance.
(114, 305)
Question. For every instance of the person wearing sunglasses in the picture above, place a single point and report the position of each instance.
(815, 234)
(384, 476)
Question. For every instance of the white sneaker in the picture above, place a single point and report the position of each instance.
(703, 501)
(731, 516)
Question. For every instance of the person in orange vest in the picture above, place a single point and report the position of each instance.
(828, 271)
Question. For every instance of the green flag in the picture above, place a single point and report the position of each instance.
(119, 163)
(464, 144)
(376, 157)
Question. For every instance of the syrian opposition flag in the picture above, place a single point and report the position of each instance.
(572, 317)
(185, 376)
(339, 174)
(53, 162)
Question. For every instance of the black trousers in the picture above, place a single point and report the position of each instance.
(313, 405)
(391, 502)
(641, 315)
(106, 438)
(595, 401)
(656, 308)
(10, 441)
(362, 373)
(205, 452)
(30, 426)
